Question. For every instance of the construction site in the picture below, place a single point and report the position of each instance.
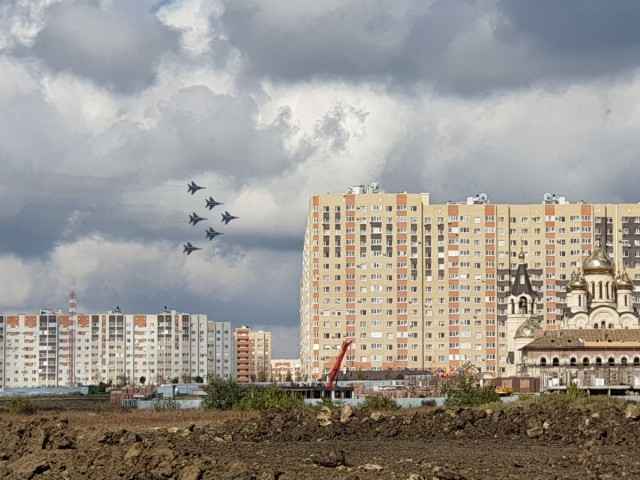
(539, 439)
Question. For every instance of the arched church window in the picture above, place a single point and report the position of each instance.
(585, 361)
(595, 325)
(543, 362)
(607, 291)
(555, 362)
(636, 361)
(611, 361)
(579, 300)
(572, 361)
(522, 305)
(603, 324)
(611, 326)
(600, 290)
(513, 306)
(623, 361)
(598, 361)
(625, 300)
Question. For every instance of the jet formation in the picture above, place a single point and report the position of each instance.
(195, 218)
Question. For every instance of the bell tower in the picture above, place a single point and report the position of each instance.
(522, 320)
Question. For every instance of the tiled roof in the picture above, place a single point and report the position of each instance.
(586, 338)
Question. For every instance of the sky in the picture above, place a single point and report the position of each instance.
(108, 108)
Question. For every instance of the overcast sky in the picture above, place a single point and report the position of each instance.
(108, 108)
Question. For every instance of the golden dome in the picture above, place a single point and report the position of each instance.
(599, 261)
(577, 282)
(623, 282)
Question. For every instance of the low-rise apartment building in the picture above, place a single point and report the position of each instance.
(53, 349)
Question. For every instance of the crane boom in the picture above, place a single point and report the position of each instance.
(336, 367)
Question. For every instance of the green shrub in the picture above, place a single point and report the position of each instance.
(21, 405)
(378, 402)
(269, 398)
(574, 392)
(462, 391)
(222, 394)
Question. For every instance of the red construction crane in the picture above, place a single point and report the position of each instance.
(336, 368)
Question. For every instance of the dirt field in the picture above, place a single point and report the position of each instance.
(532, 441)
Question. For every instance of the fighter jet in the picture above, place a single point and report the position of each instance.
(227, 217)
(211, 233)
(188, 248)
(193, 188)
(194, 219)
(212, 203)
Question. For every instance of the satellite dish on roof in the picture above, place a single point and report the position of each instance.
(548, 197)
(483, 197)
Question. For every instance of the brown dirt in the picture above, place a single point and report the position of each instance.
(523, 443)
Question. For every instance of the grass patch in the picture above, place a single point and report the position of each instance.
(556, 401)
(21, 405)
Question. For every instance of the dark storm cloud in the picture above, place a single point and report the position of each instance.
(461, 47)
(576, 26)
(575, 38)
(117, 46)
(356, 39)
(55, 209)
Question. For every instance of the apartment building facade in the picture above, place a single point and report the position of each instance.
(285, 369)
(53, 349)
(253, 354)
(220, 348)
(420, 286)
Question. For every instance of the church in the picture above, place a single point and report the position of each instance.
(597, 344)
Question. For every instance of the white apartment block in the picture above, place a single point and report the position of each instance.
(36, 350)
(220, 350)
(422, 286)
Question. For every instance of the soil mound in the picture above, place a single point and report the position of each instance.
(527, 442)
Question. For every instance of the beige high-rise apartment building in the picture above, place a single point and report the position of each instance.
(419, 286)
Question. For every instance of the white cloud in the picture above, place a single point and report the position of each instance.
(21, 20)
(15, 290)
(83, 107)
(193, 18)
